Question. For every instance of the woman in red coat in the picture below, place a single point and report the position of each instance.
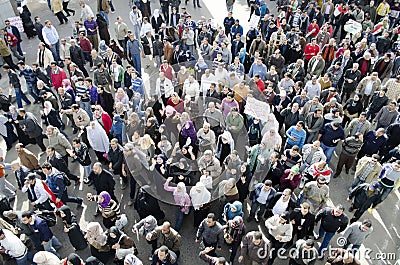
(103, 118)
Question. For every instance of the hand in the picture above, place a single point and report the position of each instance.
(44, 243)
(274, 227)
(148, 237)
(348, 199)
(299, 227)
(279, 238)
(169, 179)
(38, 212)
(89, 196)
(293, 138)
(116, 246)
(33, 203)
(124, 173)
(58, 200)
(197, 241)
(66, 230)
(240, 259)
(50, 46)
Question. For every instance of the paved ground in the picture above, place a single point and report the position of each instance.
(385, 239)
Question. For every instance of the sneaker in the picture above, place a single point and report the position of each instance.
(336, 175)
(370, 210)
(150, 258)
(130, 203)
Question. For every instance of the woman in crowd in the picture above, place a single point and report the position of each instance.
(108, 208)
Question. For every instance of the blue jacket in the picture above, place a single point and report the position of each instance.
(256, 193)
(41, 230)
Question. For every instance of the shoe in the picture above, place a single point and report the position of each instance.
(150, 258)
(124, 185)
(199, 6)
(61, 24)
(79, 205)
(75, 131)
(335, 176)
(73, 11)
(347, 171)
(351, 209)
(96, 214)
(130, 203)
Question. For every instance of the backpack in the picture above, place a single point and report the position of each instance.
(49, 218)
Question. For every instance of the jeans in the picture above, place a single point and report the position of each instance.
(179, 219)
(136, 31)
(32, 90)
(55, 50)
(88, 58)
(87, 107)
(6, 188)
(384, 194)
(87, 170)
(20, 95)
(327, 238)
(14, 50)
(105, 16)
(254, 208)
(66, 198)
(328, 151)
(24, 259)
(52, 245)
(137, 63)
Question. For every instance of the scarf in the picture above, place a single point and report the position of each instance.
(199, 195)
(106, 199)
(95, 234)
(230, 187)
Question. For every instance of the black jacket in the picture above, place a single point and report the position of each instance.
(82, 155)
(106, 101)
(146, 45)
(116, 157)
(21, 175)
(14, 79)
(292, 203)
(103, 182)
(308, 225)
(361, 200)
(58, 163)
(53, 118)
(77, 55)
(377, 102)
(330, 222)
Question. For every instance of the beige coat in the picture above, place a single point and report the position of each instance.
(121, 30)
(48, 58)
(56, 6)
(361, 166)
(4, 51)
(105, 6)
(363, 84)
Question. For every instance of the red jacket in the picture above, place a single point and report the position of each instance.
(10, 39)
(310, 51)
(107, 122)
(58, 77)
(316, 30)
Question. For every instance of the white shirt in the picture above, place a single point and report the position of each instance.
(12, 244)
(280, 207)
(262, 198)
(368, 88)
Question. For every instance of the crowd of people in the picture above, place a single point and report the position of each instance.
(228, 127)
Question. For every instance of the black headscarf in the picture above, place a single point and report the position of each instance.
(112, 241)
(74, 259)
(93, 261)
(69, 217)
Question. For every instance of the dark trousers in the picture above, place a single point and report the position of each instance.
(10, 62)
(275, 247)
(66, 9)
(83, 69)
(132, 188)
(39, 141)
(344, 160)
(44, 206)
(234, 247)
(61, 17)
(65, 198)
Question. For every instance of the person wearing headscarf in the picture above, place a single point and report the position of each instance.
(45, 258)
(188, 134)
(72, 259)
(122, 97)
(117, 128)
(120, 243)
(225, 145)
(97, 240)
(231, 210)
(156, 20)
(103, 118)
(103, 29)
(71, 227)
(131, 259)
(27, 22)
(108, 208)
(234, 231)
(98, 140)
(102, 51)
(182, 172)
(200, 68)
(14, 119)
(182, 200)
(200, 198)
(93, 261)
(228, 190)
(145, 226)
(50, 116)
(272, 140)
(160, 165)
(7, 131)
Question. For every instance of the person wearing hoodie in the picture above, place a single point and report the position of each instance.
(145, 226)
(45, 258)
(117, 128)
(72, 228)
(56, 183)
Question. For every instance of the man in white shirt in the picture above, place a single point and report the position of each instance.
(14, 247)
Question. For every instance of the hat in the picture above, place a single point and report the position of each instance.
(31, 176)
(295, 169)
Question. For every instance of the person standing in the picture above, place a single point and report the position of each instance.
(166, 236)
(92, 30)
(14, 30)
(303, 222)
(134, 50)
(42, 232)
(356, 233)
(103, 7)
(211, 233)
(15, 84)
(363, 197)
(6, 55)
(12, 246)
(30, 125)
(52, 39)
(350, 148)
(12, 42)
(116, 158)
(102, 180)
(66, 9)
(260, 197)
(56, 182)
(254, 244)
(27, 72)
(27, 158)
(333, 220)
(78, 57)
(329, 136)
(121, 31)
(367, 170)
(57, 8)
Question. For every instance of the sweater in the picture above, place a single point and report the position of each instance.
(283, 230)
(330, 222)
(386, 117)
(210, 235)
(354, 235)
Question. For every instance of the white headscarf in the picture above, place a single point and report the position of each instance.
(156, 13)
(47, 107)
(97, 137)
(132, 260)
(46, 258)
(200, 195)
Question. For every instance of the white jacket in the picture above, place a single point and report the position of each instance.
(12, 244)
(168, 88)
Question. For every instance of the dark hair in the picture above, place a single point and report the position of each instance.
(6, 66)
(301, 123)
(164, 249)
(74, 106)
(51, 148)
(26, 214)
(47, 165)
(76, 140)
(212, 217)
(257, 235)
(268, 183)
(367, 223)
(90, 80)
